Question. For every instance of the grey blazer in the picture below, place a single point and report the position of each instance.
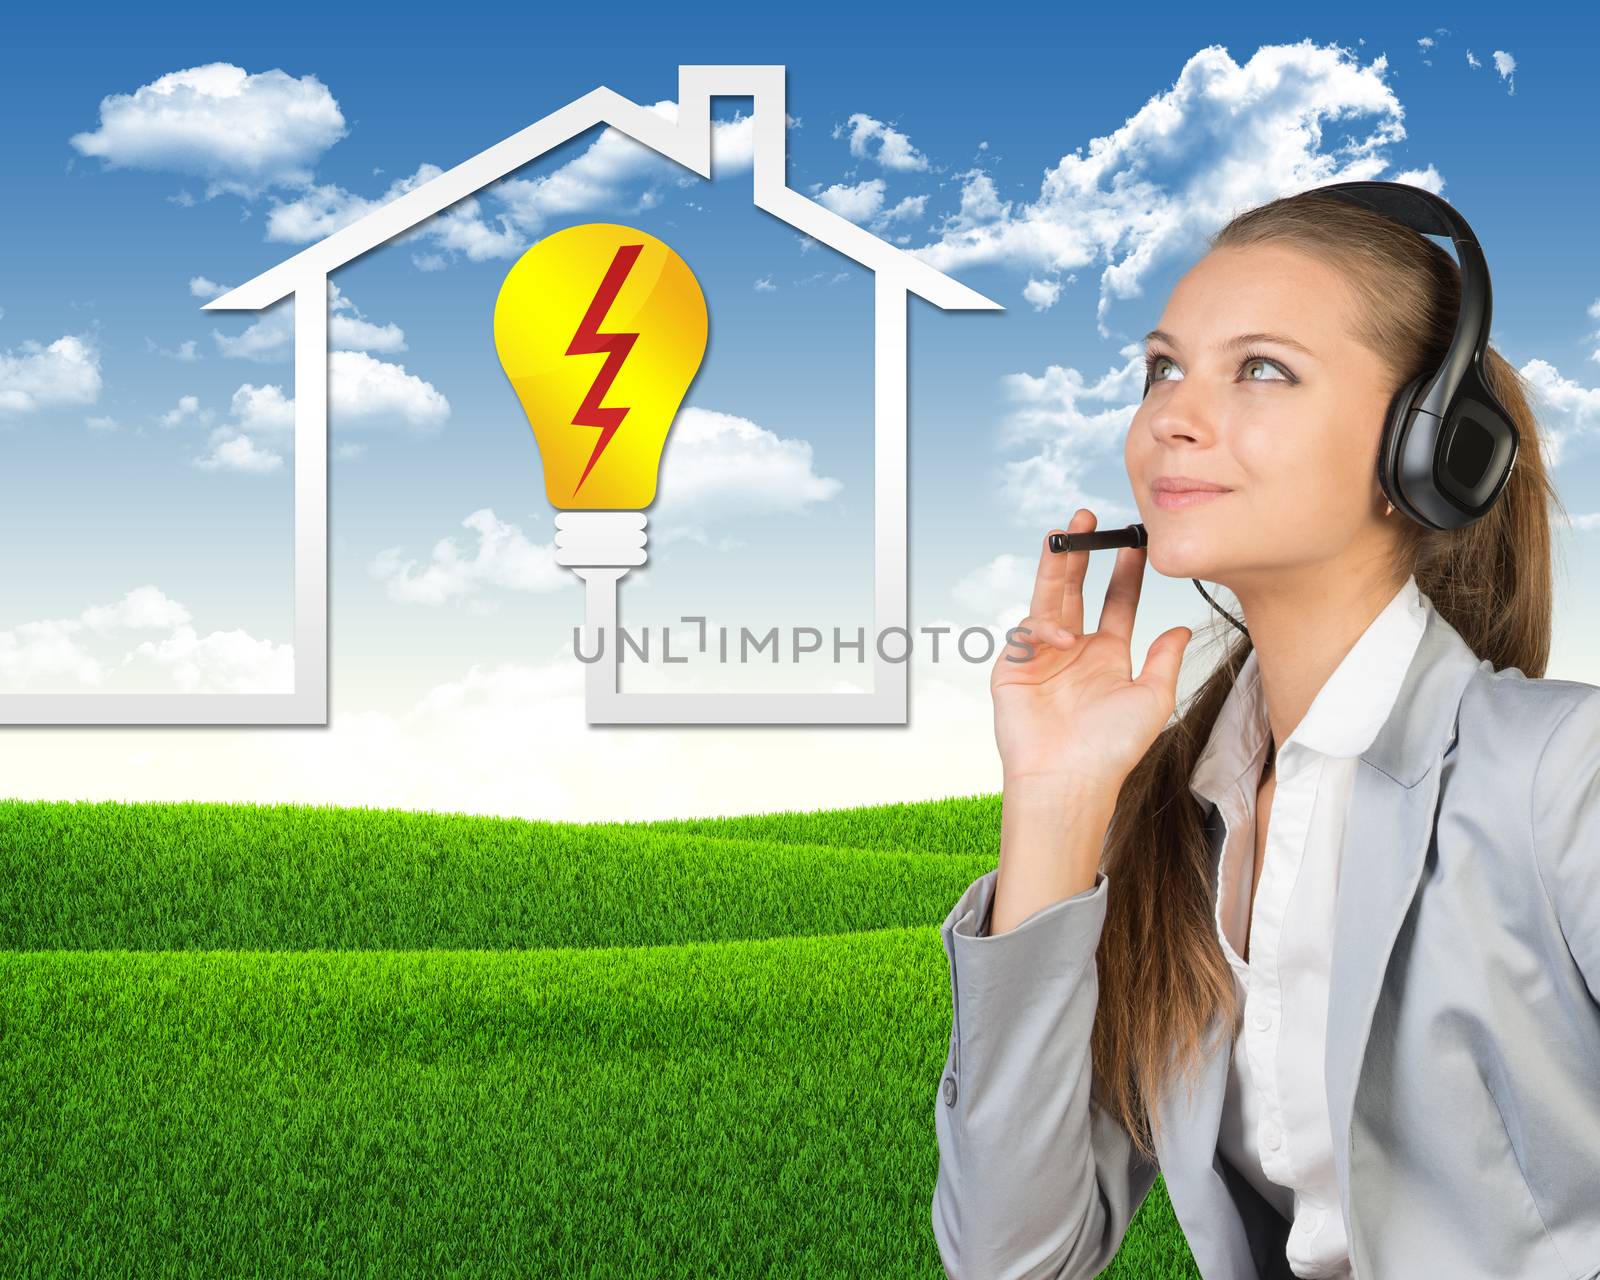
(1463, 1051)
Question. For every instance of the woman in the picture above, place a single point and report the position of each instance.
(1355, 1021)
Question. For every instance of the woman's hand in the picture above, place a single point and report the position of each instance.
(1070, 717)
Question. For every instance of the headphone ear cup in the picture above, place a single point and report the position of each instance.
(1390, 441)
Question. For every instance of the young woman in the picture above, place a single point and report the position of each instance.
(1324, 948)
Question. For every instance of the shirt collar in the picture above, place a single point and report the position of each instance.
(1343, 718)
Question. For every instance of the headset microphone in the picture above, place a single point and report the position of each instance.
(1099, 539)
(1133, 535)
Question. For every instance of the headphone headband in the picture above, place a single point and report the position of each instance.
(1428, 214)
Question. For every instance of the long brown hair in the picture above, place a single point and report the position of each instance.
(1162, 973)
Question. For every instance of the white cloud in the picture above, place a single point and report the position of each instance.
(262, 409)
(1051, 405)
(234, 446)
(184, 352)
(859, 202)
(325, 208)
(1001, 588)
(101, 423)
(503, 558)
(200, 287)
(615, 163)
(1472, 61)
(363, 388)
(241, 132)
(1506, 65)
(893, 149)
(613, 172)
(140, 609)
(222, 662)
(863, 203)
(231, 451)
(35, 650)
(718, 466)
(1429, 179)
(187, 409)
(1070, 423)
(33, 376)
(349, 329)
(980, 203)
(1567, 409)
(272, 337)
(60, 654)
(267, 339)
(909, 207)
(1042, 294)
(1224, 137)
(765, 285)
(363, 391)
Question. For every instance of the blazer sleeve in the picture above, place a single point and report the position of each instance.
(1566, 831)
(1036, 1179)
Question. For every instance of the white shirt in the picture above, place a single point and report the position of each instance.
(1275, 1127)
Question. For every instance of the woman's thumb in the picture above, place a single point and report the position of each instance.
(1163, 661)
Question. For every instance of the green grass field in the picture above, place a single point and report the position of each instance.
(310, 1041)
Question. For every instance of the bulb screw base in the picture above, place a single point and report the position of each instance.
(601, 538)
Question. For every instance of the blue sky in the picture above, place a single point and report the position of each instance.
(148, 489)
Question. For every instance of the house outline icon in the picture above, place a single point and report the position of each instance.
(305, 275)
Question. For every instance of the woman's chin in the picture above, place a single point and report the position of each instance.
(1181, 558)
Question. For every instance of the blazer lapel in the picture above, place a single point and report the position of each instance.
(1388, 833)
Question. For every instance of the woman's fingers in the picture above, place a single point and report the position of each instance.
(1058, 584)
(1122, 593)
(1164, 660)
(1070, 604)
(1044, 631)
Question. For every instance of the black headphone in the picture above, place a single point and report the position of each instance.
(1448, 445)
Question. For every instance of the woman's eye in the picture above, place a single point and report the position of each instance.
(1254, 364)
(1156, 364)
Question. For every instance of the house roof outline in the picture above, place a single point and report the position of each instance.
(688, 141)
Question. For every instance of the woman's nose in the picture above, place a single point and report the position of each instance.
(1181, 413)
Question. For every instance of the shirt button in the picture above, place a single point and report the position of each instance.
(949, 1091)
(1263, 1019)
(1274, 1138)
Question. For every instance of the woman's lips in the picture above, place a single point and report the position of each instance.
(1191, 498)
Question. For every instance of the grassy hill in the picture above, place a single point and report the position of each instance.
(293, 1040)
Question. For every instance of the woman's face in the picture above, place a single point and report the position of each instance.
(1257, 384)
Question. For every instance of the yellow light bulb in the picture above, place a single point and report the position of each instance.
(600, 328)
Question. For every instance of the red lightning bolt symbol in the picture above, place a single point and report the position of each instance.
(590, 341)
